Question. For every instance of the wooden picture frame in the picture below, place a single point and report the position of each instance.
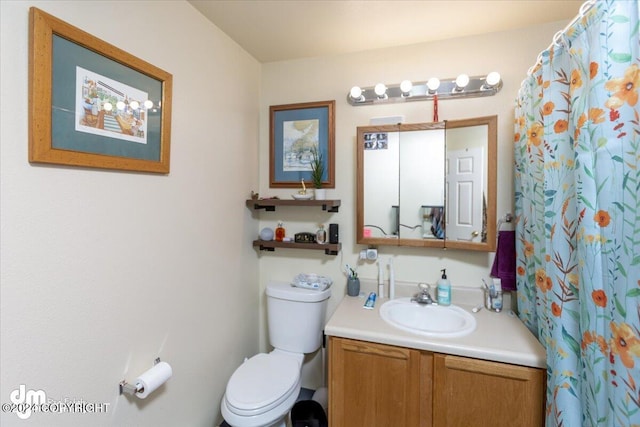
(294, 129)
(92, 104)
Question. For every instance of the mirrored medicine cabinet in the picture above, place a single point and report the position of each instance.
(428, 184)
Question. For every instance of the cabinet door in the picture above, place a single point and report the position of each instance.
(373, 384)
(471, 392)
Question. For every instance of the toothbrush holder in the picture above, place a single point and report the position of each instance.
(493, 300)
(353, 286)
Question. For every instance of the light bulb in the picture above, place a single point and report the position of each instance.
(405, 87)
(148, 104)
(356, 92)
(493, 78)
(462, 81)
(433, 84)
(107, 106)
(120, 105)
(380, 89)
(135, 105)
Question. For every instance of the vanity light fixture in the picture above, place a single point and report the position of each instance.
(461, 82)
(492, 80)
(433, 84)
(463, 86)
(405, 88)
(381, 91)
(356, 94)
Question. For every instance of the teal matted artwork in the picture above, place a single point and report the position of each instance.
(297, 131)
(94, 105)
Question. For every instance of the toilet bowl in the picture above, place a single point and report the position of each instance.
(262, 391)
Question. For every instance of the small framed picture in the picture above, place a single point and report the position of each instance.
(296, 132)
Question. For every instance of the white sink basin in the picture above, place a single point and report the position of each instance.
(429, 320)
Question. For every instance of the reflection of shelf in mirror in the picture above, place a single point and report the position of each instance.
(270, 204)
(270, 245)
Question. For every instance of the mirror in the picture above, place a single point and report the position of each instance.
(428, 184)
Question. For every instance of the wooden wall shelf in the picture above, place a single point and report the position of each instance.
(271, 204)
(270, 245)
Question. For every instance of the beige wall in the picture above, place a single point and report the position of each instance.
(104, 271)
(510, 53)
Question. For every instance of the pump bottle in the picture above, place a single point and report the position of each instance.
(444, 289)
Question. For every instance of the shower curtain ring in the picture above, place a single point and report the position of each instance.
(586, 6)
(556, 38)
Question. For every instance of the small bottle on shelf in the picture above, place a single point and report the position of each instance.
(280, 232)
(321, 235)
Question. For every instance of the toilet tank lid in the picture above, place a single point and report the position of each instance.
(286, 291)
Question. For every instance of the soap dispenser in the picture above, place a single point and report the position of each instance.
(444, 289)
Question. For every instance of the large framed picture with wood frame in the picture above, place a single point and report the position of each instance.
(92, 104)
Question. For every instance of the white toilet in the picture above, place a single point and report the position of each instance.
(262, 391)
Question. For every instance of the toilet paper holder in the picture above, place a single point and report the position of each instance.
(132, 389)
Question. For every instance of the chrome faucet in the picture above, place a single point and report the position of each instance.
(423, 297)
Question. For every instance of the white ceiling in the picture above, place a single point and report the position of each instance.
(278, 30)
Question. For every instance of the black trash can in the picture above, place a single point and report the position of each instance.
(308, 413)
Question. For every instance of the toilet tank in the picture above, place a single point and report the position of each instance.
(296, 317)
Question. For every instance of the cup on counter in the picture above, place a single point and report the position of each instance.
(493, 300)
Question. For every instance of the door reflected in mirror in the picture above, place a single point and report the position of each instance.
(428, 184)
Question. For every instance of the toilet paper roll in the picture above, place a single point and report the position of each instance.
(148, 382)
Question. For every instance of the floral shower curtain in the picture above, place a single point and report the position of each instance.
(577, 173)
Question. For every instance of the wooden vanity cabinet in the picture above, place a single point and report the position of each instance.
(377, 385)
(472, 392)
(373, 385)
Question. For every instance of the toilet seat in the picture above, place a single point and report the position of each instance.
(262, 383)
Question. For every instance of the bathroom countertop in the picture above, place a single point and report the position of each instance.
(499, 337)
